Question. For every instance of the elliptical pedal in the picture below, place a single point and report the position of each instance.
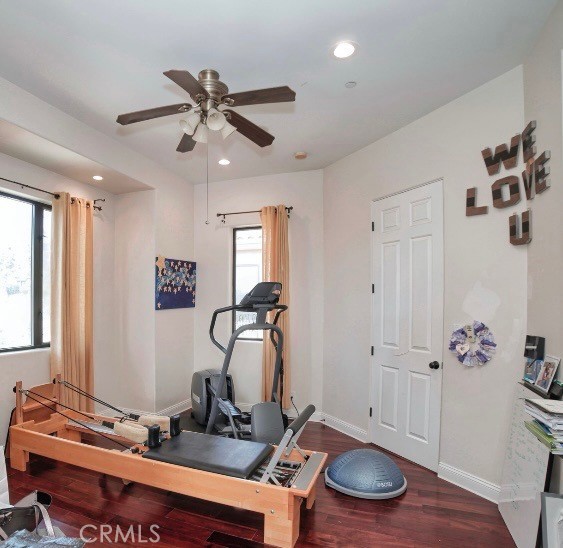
(228, 408)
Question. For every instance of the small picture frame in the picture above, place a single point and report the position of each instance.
(531, 369)
(547, 373)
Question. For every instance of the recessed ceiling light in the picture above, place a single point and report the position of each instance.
(300, 155)
(350, 84)
(343, 50)
(98, 178)
(224, 162)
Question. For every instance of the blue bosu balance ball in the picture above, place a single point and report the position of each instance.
(367, 474)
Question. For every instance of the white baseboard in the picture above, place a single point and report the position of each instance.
(107, 412)
(345, 428)
(176, 408)
(469, 482)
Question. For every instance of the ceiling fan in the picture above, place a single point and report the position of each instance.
(209, 93)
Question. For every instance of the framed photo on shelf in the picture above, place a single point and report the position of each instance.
(547, 373)
(532, 368)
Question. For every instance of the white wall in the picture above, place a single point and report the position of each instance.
(543, 103)
(174, 328)
(172, 331)
(485, 276)
(543, 91)
(213, 250)
(32, 367)
(134, 301)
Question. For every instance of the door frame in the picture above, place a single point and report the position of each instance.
(372, 359)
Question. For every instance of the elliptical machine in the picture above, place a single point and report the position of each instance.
(213, 402)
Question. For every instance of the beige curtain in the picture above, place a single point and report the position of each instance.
(71, 296)
(275, 268)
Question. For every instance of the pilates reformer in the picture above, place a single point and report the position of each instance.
(245, 474)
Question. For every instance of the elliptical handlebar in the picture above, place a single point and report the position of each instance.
(237, 307)
(275, 322)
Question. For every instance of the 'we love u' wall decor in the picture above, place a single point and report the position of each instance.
(506, 190)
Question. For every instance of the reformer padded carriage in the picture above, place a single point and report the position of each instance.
(270, 480)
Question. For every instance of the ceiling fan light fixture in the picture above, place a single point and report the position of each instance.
(227, 130)
(344, 49)
(201, 133)
(192, 120)
(215, 119)
(186, 127)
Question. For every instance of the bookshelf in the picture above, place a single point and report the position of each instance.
(537, 391)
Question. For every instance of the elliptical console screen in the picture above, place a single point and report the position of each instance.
(263, 293)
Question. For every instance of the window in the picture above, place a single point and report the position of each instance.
(25, 266)
(247, 272)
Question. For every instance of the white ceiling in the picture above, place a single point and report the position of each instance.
(95, 60)
(31, 148)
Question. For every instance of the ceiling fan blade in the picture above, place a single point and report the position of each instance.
(249, 130)
(282, 94)
(149, 114)
(186, 143)
(187, 82)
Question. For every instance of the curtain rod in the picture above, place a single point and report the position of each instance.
(288, 209)
(56, 196)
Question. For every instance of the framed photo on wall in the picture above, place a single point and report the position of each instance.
(175, 283)
(547, 373)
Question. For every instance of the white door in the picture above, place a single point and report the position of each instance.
(407, 329)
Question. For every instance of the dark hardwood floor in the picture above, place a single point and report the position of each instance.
(432, 512)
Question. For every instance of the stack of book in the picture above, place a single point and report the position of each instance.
(547, 425)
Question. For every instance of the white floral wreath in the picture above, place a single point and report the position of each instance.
(473, 344)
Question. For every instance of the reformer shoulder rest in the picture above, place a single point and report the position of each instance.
(227, 456)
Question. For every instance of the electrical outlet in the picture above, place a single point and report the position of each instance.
(292, 394)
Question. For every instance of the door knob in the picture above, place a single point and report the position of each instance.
(434, 365)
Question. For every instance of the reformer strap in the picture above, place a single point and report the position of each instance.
(97, 400)
(145, 420)
(80, 423)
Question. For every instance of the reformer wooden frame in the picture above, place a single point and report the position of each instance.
(59, 439)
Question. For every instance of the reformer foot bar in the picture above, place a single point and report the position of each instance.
(273, 481)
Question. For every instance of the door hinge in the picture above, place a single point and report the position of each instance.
(370, 412)
(372, 226)
(373, 288)
(372, 350)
